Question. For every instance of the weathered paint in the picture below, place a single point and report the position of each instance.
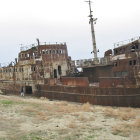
(38, 64)
(75, 81)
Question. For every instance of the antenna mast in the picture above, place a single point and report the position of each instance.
(92, 21)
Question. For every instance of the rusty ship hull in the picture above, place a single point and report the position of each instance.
(47, 70)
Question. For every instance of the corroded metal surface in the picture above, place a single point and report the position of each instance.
(97, 96)
(75, 81)
(40, 70)
(38, 64)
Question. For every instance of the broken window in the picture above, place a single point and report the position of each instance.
(55, 73)
(23, 55)
(47, 52)
(60, 51)
(35, 54)
(50, 51)
(133, 47)
(59, 70)
(130, 62)
(43, 51)
(134, 62)
(53, 51)
(33, 68)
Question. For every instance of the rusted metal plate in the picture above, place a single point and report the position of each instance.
(75, 81)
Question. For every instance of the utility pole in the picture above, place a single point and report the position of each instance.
(92, 21)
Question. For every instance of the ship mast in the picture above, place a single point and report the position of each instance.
(92, 21)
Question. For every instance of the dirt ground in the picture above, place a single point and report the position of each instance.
(29, 118)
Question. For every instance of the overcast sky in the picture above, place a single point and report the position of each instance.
(22, 21)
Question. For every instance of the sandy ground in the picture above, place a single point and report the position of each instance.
(28, 118)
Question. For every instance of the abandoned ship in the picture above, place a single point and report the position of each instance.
(47, 70)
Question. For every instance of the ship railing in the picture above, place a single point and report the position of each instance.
(124, 42)
(92, 62)
(6, 64)
(27, 47)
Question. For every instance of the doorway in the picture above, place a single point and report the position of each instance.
(28, 89)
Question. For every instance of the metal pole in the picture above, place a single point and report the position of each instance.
(91, 22)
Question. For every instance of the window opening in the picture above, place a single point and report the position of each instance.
(130, 62)
(43, 51)
(59, 70)
(134, 62)
(50, 51)
(55, 73)
(115, 64)
(53, 51)
(46, 51)
(133, 47)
